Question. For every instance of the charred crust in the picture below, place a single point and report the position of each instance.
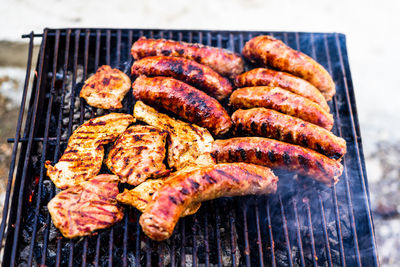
(210, 179)
(271, 156)
(184, 191)
(194, 184)
(286, 158)
(242, 153)
(258, 153)
(264, 128)
(304, 162)
(253, 126)
(173, 200)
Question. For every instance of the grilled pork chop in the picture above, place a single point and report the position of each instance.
(84, 154)
(138, 154)
(89, 206)
(106, 88)
(186, 142)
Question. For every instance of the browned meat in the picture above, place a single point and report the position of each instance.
(278, 155)
(106, 88)
(266, 50)
(188, 71)
(222, 61)
(141, 195)
(84, 154)
(138, 154)
(275, 125)
(89, 206)
(187, 143)
(267, 77)
(205, 183)
(183, 100)
(283, 101)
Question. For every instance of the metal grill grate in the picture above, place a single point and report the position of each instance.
(304, 224)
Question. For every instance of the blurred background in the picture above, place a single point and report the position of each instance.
(373, 37)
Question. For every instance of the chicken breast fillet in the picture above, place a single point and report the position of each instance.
(84, 154)
(106, 88)
(89, 206)
(138, 154)
(187, 143)
(141, 195)
(201, 184)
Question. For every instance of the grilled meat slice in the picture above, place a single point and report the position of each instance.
(138, 154)
(84, 154)
(222, 61)
(106, 88)
(278, 155)
(283, 101)
(184, 100)
(188, 71)
(89, 206)
(204, 183)
(187, 143)
(267, 77)
(266, 50)
(269, 123)
(141, 195)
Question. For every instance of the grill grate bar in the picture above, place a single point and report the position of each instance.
(297, 222)
(286, 232)
(28, 151)
(246, 235)
(46, 133)
(326, 239)
(17, 136)
(271, 237)
(346, 178)
(259, 240)
(360, 165)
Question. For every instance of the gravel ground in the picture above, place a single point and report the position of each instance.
(372, 34)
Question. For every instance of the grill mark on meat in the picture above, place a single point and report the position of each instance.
(286, 158)
(271, 156)
(227, 175)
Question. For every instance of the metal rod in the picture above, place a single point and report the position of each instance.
(259, 239)
(17, 136)
(44, 150)
(28, 151)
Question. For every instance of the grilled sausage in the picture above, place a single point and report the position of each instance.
(283, 101)
(222, 61)
(266, 50)
(269, 123)
(262, 76)
(183, 100)
(204, 183)
(188, 71)
(278, 155)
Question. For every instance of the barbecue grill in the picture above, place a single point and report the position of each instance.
(303, 224)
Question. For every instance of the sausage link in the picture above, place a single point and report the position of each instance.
(283, 101)
(267, 77)
(266, 50)
(188, 71)
(205, 183)
(221, 60)
(278, 155)
(269, 123)
(183, 100)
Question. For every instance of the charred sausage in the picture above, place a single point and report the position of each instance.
(262, 76)
(269, 123)
(188, 71)
(283, 101)
(183, 100)
(204, 183)
(278, 155)
(266, 50)
(222, 61)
